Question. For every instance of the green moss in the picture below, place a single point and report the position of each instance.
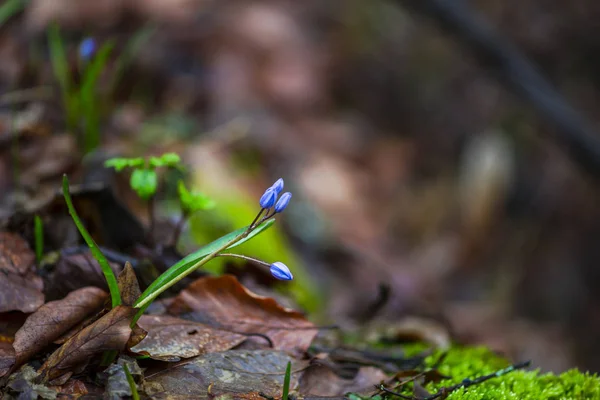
(461, 363)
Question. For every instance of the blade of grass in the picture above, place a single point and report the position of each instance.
(129, 52)
(109, 275)
(193, 261)
(91, 107)
(132, 385)
(60, 67)
(286, 381)
(38, 230)
(9, 9)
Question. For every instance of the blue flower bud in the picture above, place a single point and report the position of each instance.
(280, 271)
(283, 202)
(87, 48)
(268, 198)
(278, 186)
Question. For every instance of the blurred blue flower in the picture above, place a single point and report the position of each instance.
(278, 186)
(280, 271)
(283, 202)
(87, 48)
(268, 198)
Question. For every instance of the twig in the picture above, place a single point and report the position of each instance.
(510, 66)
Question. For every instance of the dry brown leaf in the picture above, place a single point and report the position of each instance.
(319, 380)
(170, 338)
(7, 357)
(20, 287)
(222, 302)
(53, 319)
(110, 332)
(237, 373)
(128, 285)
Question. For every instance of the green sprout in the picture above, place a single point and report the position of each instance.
(84, 104)
(286, 381)
(134, 392)
(109, 275)
(38, 231)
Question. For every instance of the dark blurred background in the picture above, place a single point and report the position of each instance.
(423, 173)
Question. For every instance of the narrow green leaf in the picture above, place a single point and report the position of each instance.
(9, 9)
(89, 97)
(109, 275)
(185, 265)
(144, 182)
(60, 67)
(126, 56)
(38, 230)
(286, 381)
(132, 385)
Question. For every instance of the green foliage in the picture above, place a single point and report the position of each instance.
(470, 362)
(9, 9)
(38, 230)
(109, 275)
(286, 381)
(83, 103)
(120, 163)
(144, 181)
(193, 201)
(194, 261)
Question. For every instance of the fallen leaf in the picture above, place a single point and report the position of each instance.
(240, 373)
(20, 287)
(73, 389)
(170, 338)
(128, 285)
(7, 357)
(110, 332)
(319, 380)
(23, 383)
(222, 302)
(53, 319)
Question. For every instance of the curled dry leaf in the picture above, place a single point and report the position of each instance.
(20, 287)
(170, 338)
(319, 380)
(240, 373)
(111, 332)
(128, 285)
(223, 303)
(55, 318)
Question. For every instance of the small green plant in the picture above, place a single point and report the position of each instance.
(84, 104)
(109, 275)
(38, 231)
(144, 179)
(286, 381)
(271, 204)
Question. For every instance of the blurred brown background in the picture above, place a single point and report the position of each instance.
(411, 165)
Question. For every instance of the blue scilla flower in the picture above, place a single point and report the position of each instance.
(283, 202)
(268, 198)
(87, 48)
(278, 186)
(280, 271)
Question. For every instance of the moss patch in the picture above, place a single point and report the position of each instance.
(461, 363)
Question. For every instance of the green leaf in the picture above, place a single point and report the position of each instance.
(120, 163)
(109, 275)
(144, 182)
(286, 381)
(9, 9)
(38, 229)
(132, 48)
(60, 67)
(193, 201)
(171, 160)
(134, 392)
(186, 265)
